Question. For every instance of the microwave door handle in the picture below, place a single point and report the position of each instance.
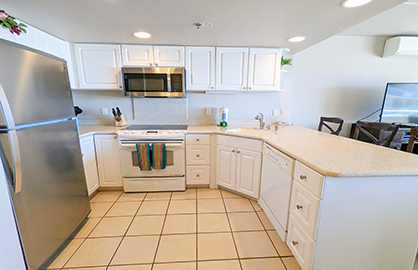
(168, 83)
(15, 177)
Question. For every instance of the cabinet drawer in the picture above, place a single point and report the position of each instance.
(309, 178)
(240, 143)
(197, 174)
(197, 139)
(197, 154)
(304, 208)
(300, 244)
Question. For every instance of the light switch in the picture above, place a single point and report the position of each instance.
(208, 111)
(275, 112)
(282, 112)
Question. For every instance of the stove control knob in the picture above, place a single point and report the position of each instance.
(177, 131)
(133, 131)
(126, 131)
(171, 132)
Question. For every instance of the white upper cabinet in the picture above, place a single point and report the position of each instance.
(98, 66)
(264, 69)
(169, 56)
(137, 55)
(231, 68)
(200, 68)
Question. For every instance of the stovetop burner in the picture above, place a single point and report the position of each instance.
(157, 127)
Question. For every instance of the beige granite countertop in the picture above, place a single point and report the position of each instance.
(330, 155)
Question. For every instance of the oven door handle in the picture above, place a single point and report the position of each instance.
(167, 145)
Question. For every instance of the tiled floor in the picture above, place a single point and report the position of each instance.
(197, 229)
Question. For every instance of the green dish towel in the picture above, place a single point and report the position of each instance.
(158, 156)
(144, 156)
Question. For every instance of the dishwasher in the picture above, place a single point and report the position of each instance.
(276, 185)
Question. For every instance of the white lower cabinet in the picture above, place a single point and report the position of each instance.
(300, 244)
(238, 164)
(108, 160)
(198, 159)
(89, 161)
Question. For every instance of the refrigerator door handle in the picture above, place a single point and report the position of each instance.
(7, 112)
(16, 180)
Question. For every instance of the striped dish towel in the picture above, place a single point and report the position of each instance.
(144, 156)
(158, 156)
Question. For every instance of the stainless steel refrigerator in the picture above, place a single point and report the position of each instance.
(40, 150)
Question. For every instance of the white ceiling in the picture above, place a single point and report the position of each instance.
(265, 23)
(401, 20)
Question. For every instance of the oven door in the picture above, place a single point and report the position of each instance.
(175, 158)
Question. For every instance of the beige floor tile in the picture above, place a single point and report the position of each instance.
(262, 264)
(254, 244)
(210, 206)
(88, 268)
(212, 223)
(265, 220)
(146, 225)
(174, 248)
(153, 208)
(238, 205)
(123, 209)
(158, 196)
(106, 196)
(130, 267)
(94, 252)
(245, 222)
(180, 224)
(66, 253)
(182, 207)
(136, 249)
(279, 244)
(175, 266)
(291, 263)
(219, 265)
(205, 193)
(189, 194)
(230, 195)
(88, 227)
(256, 206)
(113, 226)
(99, 209)
(132, 197)
(216, 246)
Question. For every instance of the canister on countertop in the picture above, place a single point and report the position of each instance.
(223, 117)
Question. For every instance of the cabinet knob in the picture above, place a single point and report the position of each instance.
(233, 151)
(115, 137)
(198, 140)
(120, 86)
(295, 243)
(150, 64)
(302, 177)
(198, 175)
(211, 87)
(156, 64)
(197, 155)
(249, 87)
(299, 207)
(238, 151)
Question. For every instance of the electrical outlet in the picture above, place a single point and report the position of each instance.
(208, 111)
(275, 112)
(104, 111)
(282, 112)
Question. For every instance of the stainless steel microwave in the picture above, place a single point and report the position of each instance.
(153, 82)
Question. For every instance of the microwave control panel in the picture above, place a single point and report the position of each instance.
(176, 82)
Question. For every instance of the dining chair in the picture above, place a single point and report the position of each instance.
(376, 133)
(334, 120)
(412, 138)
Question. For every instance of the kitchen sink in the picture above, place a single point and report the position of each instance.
(251, 131)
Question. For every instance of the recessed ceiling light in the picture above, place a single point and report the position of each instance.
(142, 34)
(296, 39)
(354, 3)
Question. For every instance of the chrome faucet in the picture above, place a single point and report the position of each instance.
(260, 117)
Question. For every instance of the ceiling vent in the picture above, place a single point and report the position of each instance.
(401, 47)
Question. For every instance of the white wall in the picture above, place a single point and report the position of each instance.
(344, 76)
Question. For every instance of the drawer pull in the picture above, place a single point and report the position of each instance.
(302, 177)
(295, 243)
(198, 140)
(299, 207)
(238, 151)
(198, 175)
(233, 151)
(197, 155)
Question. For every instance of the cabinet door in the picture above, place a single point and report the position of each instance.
(90, 164)
(137, 55)
(108, 160)
(231, 68)
(264, 71)
(248, 172)
(98, 66)
(169, 56)
(200, 68)
(226, 160)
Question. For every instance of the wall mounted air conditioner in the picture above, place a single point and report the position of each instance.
(401, 47)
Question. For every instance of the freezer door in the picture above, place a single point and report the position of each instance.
(53, 198)
(35, 85)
